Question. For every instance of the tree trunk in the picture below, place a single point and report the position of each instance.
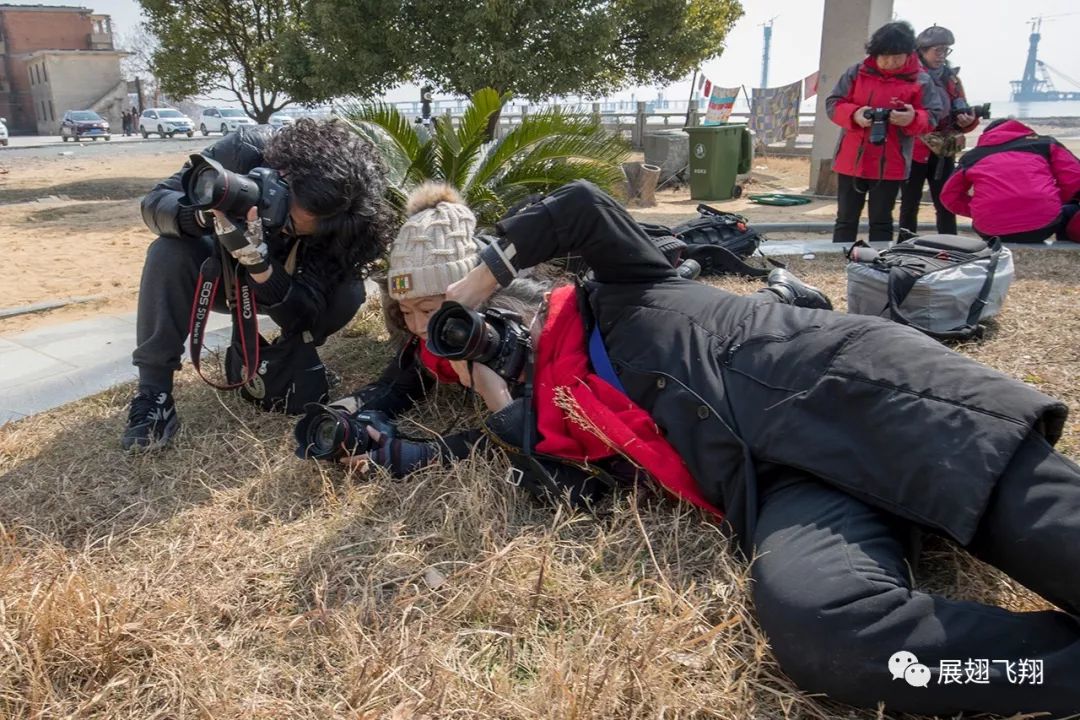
(646, 190)
(641, 182)
(262, 115)
(631, 170)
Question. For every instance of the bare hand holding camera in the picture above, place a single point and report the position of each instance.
(903, 116)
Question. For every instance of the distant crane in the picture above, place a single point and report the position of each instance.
(765, 52)
(1040, 87)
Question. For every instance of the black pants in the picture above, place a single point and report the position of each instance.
(167, 290)
(912, 190)
(833, 592)
(851, 198)
(1058, 228)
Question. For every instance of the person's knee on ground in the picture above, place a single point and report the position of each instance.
(818, 612)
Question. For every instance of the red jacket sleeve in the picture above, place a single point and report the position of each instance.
(955, 196)
(1066, 169)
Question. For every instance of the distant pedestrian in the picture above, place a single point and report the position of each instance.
(126, 122)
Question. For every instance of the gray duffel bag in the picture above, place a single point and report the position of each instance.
(943, 285)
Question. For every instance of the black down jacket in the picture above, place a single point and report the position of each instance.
(869, 406)
(294, 301)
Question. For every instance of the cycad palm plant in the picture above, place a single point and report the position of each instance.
(546, 150)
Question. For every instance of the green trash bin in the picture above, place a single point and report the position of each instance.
(717, 154)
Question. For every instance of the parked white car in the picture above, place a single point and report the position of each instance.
(3, 133)
(278, 120)
(223, 120)
(165, 121)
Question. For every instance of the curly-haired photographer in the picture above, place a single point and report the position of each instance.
(305, 272)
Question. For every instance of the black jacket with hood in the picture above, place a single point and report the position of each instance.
(869, 406)
(293, 301)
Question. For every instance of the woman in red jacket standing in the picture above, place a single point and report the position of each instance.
(891, 86)
(935, 153)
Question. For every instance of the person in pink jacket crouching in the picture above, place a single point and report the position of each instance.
(1017, 185)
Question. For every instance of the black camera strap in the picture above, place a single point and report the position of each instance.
(245, 322)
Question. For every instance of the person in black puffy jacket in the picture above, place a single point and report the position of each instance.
(338, 224)
(829, 442)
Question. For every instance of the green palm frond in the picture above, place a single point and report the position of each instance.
(546, 150)
(532, 129)
(486, 204)
(474, 122)
(546, 176)
(390, 132)
(596, 147)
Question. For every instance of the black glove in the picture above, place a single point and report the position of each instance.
(401, 457)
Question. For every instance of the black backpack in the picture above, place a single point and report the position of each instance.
(719, 241)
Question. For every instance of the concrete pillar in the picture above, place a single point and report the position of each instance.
(846, 27)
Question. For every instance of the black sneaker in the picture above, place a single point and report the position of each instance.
(794, 291)
(152, 421)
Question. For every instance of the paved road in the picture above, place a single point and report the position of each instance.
(50, 146)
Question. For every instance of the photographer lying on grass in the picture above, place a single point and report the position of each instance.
(434, 248)
(824, 439)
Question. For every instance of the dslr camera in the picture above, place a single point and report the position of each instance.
(979, 111)
(331, 433)
(495, 338)
(209, 186)
(879, 124)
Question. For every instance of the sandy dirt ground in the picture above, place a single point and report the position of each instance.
(70, 226)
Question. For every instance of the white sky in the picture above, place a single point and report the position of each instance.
(992, 39)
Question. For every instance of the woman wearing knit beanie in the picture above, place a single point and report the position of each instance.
(434, 248)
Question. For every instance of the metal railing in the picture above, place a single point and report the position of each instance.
(631, 123)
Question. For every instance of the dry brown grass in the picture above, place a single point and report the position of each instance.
(226, 579)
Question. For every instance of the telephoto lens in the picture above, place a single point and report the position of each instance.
(330, 433)
(495, 338)
(209, 186)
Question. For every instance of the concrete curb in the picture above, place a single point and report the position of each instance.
(47, 305)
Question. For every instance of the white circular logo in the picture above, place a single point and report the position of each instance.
(699, 150)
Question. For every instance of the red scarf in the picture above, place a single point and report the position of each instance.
(438, 366)
(570, 396)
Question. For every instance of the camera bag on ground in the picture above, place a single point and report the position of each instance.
(717, 228)
(289, 374)
(280, 376)
(943, 285)
(719, 241)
